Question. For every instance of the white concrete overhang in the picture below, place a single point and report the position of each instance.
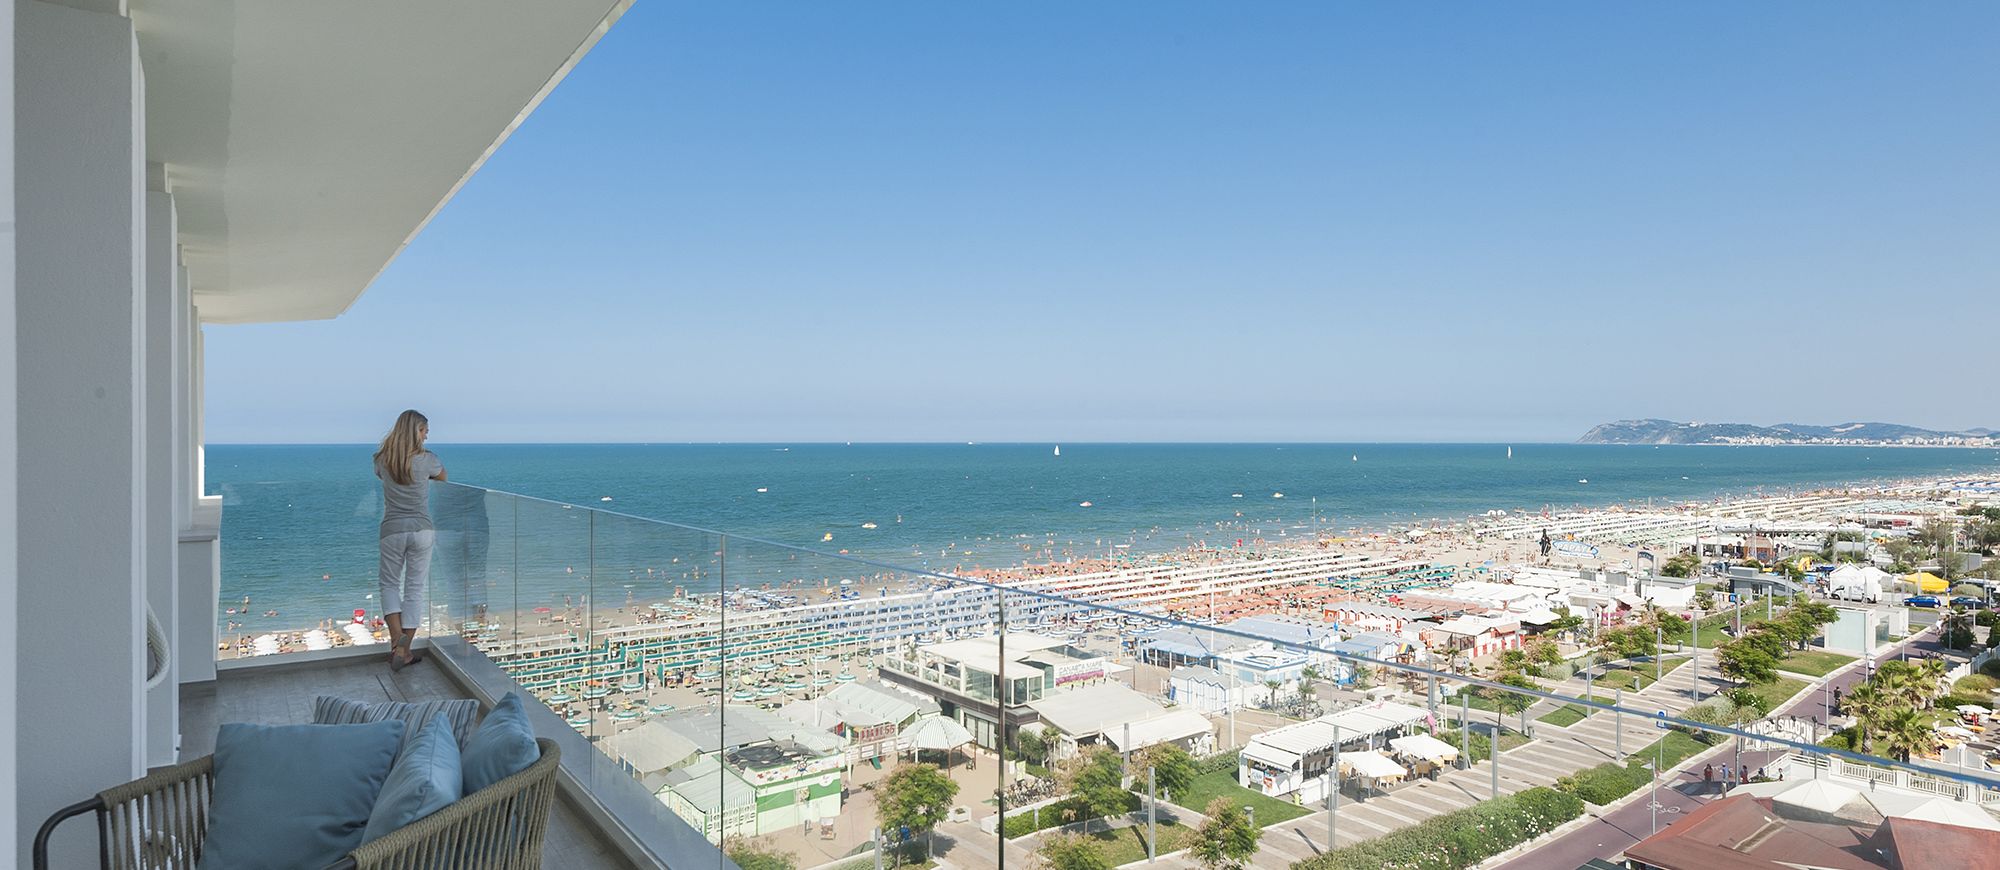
(307, 142)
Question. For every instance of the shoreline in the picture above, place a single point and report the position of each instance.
(1437, 541)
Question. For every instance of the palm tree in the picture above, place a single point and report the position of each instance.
(1930, 676)
(1868, 704)
(1908, 732)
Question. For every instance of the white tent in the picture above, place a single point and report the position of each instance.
(1944, 811)
(1817, 795)
(937, 732)
(1425, 747)
(1762, 789)
(1371, 764)
(1175, 725)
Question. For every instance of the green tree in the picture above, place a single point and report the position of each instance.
(1681, 565)
(1098, 783)
(1955, 629)
(1746, 661)
(1173, 769)
(916, 796)
(1031, 746)
(1704, 600)
(1869, 706)
(753, 856)
(1071, 852)
(1227, 839)
(1566, 622)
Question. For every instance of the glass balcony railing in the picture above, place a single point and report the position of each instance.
(721, 690)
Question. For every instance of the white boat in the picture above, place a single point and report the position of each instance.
(1583, 480)
(1510, 451)
(1058, 449)
(1354, 457)
(1277, 495)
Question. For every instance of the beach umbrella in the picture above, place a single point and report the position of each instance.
(1973, 709)
(541, 610)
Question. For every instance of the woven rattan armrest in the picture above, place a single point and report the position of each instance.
(500, 827)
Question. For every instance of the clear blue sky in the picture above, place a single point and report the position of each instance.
(1194, 221)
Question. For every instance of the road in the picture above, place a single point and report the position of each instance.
(1613, 833)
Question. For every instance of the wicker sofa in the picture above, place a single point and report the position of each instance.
(157, 823)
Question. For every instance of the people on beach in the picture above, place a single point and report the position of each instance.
(407, 537)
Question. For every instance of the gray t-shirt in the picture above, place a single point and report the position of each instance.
(408, 508)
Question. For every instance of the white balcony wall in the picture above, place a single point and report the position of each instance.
(80, 441)
(9, 574)
(161, 533)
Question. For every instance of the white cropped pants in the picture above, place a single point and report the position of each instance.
(406, 568)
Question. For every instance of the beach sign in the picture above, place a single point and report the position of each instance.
(1660, 720)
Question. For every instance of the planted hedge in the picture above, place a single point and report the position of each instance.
(1460, 839)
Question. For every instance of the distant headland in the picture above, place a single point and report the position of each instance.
(1846, 434)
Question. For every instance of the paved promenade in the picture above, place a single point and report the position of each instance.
(1556, 752)
(1618, 830)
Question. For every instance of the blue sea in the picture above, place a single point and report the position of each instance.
(299, 521)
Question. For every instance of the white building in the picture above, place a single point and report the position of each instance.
(164, 166)
(1298, 757)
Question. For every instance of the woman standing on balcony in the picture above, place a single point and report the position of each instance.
(406, 470)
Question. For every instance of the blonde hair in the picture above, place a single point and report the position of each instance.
(403, 441)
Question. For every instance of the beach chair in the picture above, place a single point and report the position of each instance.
(159, 822)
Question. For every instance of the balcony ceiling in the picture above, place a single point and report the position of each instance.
(307, 143)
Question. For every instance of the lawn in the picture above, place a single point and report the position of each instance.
(1712, 625)
(1638, 676)
(1778, 692)
(1679, 746)
(1125, 845)
(1222, 783)
(1813, 662)
(1563, 716)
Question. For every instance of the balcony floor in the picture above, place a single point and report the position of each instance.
(283, 694)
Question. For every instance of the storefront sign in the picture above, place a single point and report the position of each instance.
(1084, 670)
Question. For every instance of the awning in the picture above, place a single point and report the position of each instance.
(1425, 747)
(1816, 795)
(937, 732)
(1175, 725)
(1944, 811)
(1371, 764)
(1270, 755)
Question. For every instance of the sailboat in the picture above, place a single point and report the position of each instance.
(1356, 457)
(1510, 451)
(1058, 449)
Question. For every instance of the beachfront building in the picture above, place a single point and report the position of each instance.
(1814, 823)
(1266, 671)
(1476, 635)
(1299, 757)
(764, 774)
(1180, 647)
(1369, 616)
(871, 721)
(1205, 690)
(964, 677)
(1477, 596)
(1113, 715)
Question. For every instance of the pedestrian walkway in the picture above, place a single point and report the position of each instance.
(1554, 753)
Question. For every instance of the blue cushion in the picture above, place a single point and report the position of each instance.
(425, 779)
(502, 746)
(294, 795)
(461, 714)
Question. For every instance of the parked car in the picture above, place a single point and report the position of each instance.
(1922, 601)
(1969, 602)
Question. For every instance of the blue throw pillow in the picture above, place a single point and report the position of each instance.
(502, 746)
(425, 779)
(294, 795)
(461, 714)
